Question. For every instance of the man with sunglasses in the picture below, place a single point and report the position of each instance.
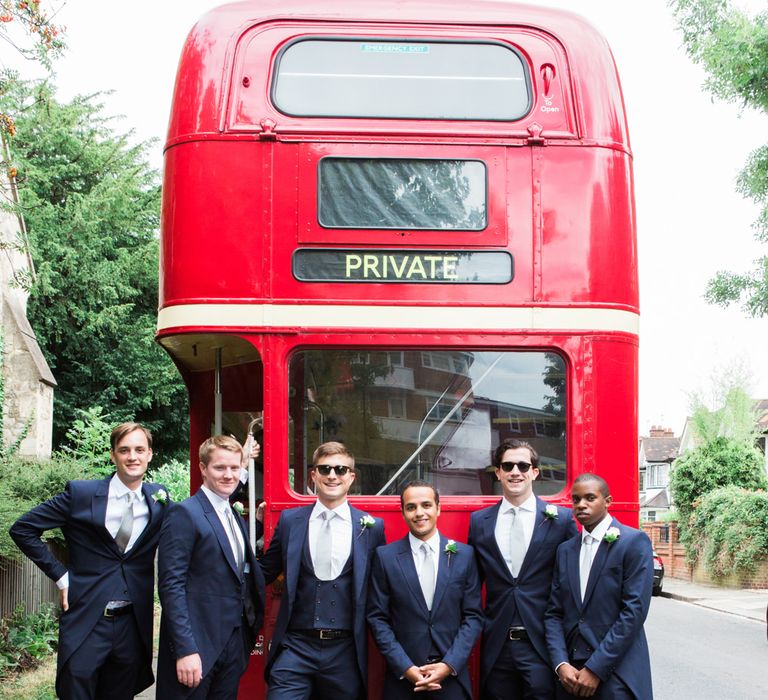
(320, 641)
(515, 543)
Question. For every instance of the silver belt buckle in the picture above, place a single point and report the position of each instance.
(326, 634)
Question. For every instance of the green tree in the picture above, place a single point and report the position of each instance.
(91, 204)
(733, 49)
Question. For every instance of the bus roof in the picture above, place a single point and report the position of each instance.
(206, 64)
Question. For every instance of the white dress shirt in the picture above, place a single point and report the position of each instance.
(434, 549)
(526, 513)
(341, 534)
(597, 534)
(114, 516)
(221, 505)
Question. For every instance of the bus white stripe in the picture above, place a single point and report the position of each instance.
(389, 317)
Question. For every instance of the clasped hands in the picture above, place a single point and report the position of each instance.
(581, 683)
(427, 677)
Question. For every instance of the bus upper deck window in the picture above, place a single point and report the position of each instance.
(401, 80)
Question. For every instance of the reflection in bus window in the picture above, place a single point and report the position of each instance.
(401, 79)
(403, 193)
(436, 415)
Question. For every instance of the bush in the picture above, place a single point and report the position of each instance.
(174, 475)
(720, 462)
(728, 532)
(26, 639)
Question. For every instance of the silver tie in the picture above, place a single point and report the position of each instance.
(324, 548)
(237, 549)
(585, 563)
(124, 532)
(517, 545)
(427, 574)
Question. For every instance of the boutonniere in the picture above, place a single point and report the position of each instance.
(160, 496)
(451, 548)
(611, 535)
(238, 507)
(550, 511)
(365, 522)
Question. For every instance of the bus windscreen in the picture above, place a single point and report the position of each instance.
(400, 193)
(402, 80)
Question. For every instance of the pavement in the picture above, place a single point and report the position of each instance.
(744, 602)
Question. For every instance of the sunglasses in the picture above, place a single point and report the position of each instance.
(509, 466)
(339, 469)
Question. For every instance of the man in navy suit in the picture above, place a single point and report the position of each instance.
(320, 641)
(211, 587)
(111, 527)
(600, 597)
(425, 605)
(515, 542)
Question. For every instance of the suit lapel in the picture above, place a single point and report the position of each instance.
(408, 571)
(572, 567)
(444, 572)
(597, 566)
(296, 538)
(218, 529)
(489, 533)
(541, 527)
(99, 513)
(360, 552)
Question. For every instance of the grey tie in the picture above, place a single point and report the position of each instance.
(517, 545)
(427, 574)
(324, 548)
(585, 563)
(233, 536)
(124, 532)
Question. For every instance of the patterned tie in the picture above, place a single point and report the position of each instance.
(237, 549)
(324, 549)
(516, 542)
(585, 563)
(124, 532)
(427, 574)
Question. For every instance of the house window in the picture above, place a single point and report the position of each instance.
(396, 408)
(650, 516)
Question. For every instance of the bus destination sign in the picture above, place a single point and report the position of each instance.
(419, 266)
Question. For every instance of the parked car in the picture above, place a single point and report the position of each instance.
(658, 574)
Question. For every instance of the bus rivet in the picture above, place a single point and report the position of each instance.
(246, 81)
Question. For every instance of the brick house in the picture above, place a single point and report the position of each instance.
(657, 452)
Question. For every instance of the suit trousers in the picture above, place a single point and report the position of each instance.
(519, 672)
(312, 668)
(107, 663)
(223, 680)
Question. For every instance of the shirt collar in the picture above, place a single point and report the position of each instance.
(529, 504)
(598, 532)
(433, 542)
(220, 504)
(341, 511)
(117, 489)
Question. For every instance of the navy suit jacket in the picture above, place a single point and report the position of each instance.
(610, 620)
(95, 563)
(203, 595)
(405, 630)
(527, 595)
(284, 557)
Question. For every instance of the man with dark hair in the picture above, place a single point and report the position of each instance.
(601, 593)
(515, 542)
(425, 607)
(210, 585)
(320, 641)
(111, 527)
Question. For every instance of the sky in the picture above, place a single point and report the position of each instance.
(688, 150)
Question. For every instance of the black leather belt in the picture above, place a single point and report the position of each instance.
(324, 634)
(434, 659)
(517, 634)
(117, 610)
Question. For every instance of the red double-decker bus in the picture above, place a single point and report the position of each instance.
(408, 227)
